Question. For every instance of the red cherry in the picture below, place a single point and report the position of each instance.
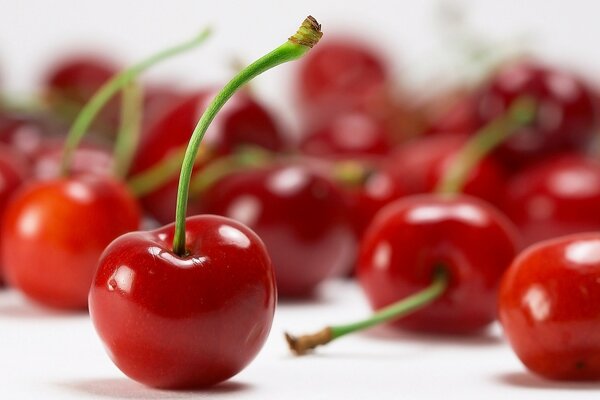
(566, 113)
(338, 76)
(299, 214)
(29, 133)
(192, 321)
(87, 158)
(549, 307)
(54, 232)
(422, 163)
(557, 197)
(349, 135)
(411, 238)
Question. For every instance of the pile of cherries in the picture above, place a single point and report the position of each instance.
(356, 196)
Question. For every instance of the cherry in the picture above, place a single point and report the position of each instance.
(28, 133)
(216, 304)
(54, 232)
(348, 135)
(420, 165)
(243, 121)
(556, 197)
(429, 263)
(340, 75)
(566, 113)
(299, 214)
(549, 306)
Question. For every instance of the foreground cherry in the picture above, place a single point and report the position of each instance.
(190, 304)
(429, 263)
(184, 321)
(549, 307)
(54, 232)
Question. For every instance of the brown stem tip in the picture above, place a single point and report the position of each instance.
(301, 345)
(308, 34)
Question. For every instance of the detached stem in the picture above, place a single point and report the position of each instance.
(302, 344)
(305, 38)
(109, 89)
(521, 112)
(129, 131)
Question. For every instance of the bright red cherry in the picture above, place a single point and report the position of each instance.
(349, 135)
(566, 114)
(422, 163)
(174, 321)
(54, 232)
(559, 196)
(413, 237)
(338, 76)
(549, 307)
(299, 214)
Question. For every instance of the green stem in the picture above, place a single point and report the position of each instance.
(109, 89)
(129, 131)
(302, 344)
(521, 112)
(305, 38)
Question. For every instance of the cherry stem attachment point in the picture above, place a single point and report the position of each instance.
(129, 129)
(113, 86)
(295, 47)
(521, 113)
(301, 345)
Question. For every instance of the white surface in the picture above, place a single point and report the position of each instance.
(44, 355)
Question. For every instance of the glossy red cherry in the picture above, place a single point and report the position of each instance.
(411, 238)
(559, 196)
(422, 163)
(338, 76)
(566, 113)
(350, 135)
(299, 214)
(549, 307)
(192, 321)
(54, 232)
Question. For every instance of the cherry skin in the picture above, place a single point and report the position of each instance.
(566, 112)
(350, 135)
(184, 322)
(556, 197)
(549, 306)
(299, 214)
(54, 232)
(339, 76)
(411, 238)
(421, 164)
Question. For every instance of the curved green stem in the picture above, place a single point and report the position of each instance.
(129, 131)
(109, 89)
(302, 344)
(521, 112)
(296, 46)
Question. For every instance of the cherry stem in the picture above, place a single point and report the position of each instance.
(295, 47)
(302, 344)
(129, 130)
(113, 86)
(521, 113)
(241, 160)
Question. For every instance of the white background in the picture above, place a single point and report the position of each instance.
(44, 355)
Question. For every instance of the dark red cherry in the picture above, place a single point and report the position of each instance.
(411, 238)
(421, 164)
(349, 135)
(300, 216)
(559, 196)
(566, 115)
(337, 76)
(549, 307)
(190, 321)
